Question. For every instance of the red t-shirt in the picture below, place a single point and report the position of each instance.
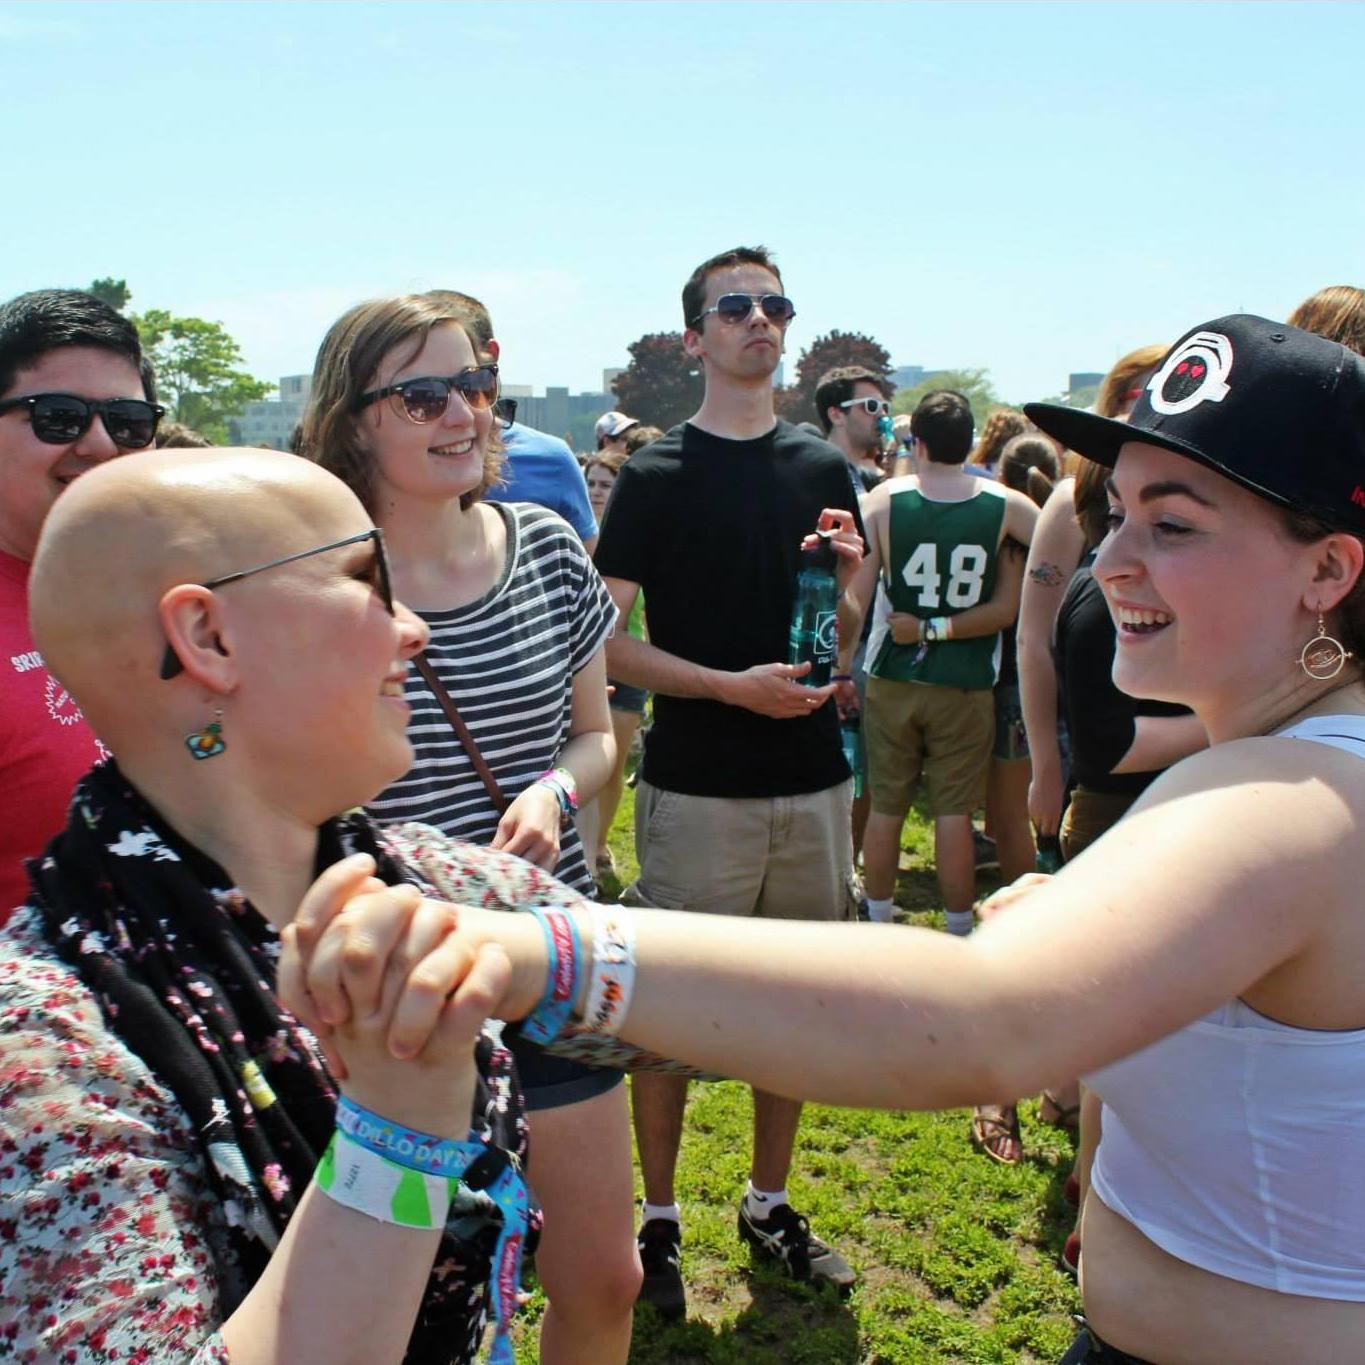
(45, 744)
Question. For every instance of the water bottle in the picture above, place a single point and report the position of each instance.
(814, 634)
(1049, 857)
(848, 734)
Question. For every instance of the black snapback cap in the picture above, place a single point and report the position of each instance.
(1276, 409)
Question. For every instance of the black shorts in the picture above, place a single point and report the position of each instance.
(1088, 1349)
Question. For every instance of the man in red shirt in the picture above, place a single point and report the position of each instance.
(74, 391)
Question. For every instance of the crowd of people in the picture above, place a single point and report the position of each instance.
(286, 736)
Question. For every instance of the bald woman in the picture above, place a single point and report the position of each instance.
(180, 1180)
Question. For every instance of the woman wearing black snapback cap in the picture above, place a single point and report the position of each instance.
(1215, 937)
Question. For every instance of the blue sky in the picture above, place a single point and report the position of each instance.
(1033, 188)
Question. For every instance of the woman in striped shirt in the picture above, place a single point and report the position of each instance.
(401, 410)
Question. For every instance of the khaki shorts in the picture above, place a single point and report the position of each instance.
(943, 734)
(784, 857)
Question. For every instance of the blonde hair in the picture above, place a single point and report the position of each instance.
(348, 361)
(1337, 313)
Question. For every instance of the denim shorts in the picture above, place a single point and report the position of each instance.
(550, 1082)
(628, 698)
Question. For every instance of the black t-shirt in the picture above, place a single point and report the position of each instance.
(711, 531)
(1099, 718)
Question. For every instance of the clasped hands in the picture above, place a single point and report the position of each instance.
(396, 988)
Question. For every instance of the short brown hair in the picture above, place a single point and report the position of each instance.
(477, 322)
(836, 386)
(1337, 313)
(694, 291)
(942, 424)
(638, 437)
(348, 361)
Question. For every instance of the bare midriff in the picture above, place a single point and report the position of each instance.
(1146, 1302)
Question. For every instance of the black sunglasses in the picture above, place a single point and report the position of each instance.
(426, 399)
(60, 418)
(736, 307)
(170, 661)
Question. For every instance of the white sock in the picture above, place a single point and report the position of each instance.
(960, 922)
(881, 911)
(761, 1203)
(649, 1211)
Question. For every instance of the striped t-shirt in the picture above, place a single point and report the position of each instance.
(508, 662)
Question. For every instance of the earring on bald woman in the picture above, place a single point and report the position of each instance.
(208, 742)
(1323, 657)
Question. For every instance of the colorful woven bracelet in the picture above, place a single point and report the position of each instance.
(359, 1178)
(546, 1022)
(408, 1147)
(612, 980)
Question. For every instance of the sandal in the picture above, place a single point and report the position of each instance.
(1052, 1110)
(995, 1130)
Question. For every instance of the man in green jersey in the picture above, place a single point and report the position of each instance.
(933, 538)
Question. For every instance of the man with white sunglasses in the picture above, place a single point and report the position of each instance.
(851, 402)
(742, 807)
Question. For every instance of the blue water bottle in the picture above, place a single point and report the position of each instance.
(814, 637)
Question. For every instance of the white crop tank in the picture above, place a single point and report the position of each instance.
(1237, 1144)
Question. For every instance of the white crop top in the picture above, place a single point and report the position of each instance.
(1237, 1144)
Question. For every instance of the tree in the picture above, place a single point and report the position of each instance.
(796, 402)
(662, 385)
(198, 371)
(111, 291)
(974, 385)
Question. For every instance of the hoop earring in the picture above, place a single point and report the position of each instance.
(208, 742)
(1323, 657)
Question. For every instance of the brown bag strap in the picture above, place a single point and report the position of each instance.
(500, 802)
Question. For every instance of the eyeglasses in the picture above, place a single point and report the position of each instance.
(379, 567)
(60, 418)
(426, 399)
(736, 307)
(908, 440)
(506, 409)
(874, 407)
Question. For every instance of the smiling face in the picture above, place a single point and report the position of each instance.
(749, 350)
(1208, 593)
(33, 473)
(434, 461)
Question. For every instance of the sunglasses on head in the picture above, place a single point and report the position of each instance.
(874, 407)
(60, 418)
(379, 577)
(736, 307)
(426, 399)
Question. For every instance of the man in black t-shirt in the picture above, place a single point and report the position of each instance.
(743, 803)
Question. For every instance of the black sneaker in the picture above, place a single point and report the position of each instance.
(983, 847)
(785, 1237)
(660, 1242)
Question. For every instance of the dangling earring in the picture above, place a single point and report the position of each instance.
(1323, 657)
(208, 742)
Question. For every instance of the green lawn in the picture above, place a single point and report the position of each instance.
(957, 1255)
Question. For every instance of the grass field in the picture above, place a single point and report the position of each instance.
(957, 1255)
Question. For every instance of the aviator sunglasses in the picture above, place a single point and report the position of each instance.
(378, 570)
(60, 418)
(874, 407)
(736, 307)
(426, 399)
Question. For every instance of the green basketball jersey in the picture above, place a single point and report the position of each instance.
(942, 561)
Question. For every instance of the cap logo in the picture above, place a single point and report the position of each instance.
(1195, 372)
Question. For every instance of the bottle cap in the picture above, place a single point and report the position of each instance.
(821, 556)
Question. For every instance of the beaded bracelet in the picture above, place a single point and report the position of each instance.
(612, 981)
(546, 1022)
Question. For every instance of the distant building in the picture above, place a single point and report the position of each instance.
(1084, 379)
(610, 376)
(557, 408)
(271, 421)
(908, 376)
